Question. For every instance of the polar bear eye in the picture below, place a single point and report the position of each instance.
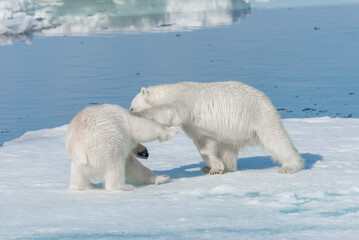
(131, 109)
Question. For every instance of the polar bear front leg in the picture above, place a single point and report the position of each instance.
(229, 156)
(209, 155)
(144, 130)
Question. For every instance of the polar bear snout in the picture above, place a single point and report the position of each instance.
(140, 151)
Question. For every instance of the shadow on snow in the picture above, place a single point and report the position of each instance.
(251, 163)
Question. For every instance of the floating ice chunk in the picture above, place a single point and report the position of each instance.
(15, 16)
(17, 24)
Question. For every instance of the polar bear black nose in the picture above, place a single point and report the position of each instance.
(144, 154)
(131, 109)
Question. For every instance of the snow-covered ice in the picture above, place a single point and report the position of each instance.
(320, 202)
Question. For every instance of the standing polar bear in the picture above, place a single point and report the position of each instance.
(221, 118)
(101, 141)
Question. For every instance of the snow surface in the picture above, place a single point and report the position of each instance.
(320, 202)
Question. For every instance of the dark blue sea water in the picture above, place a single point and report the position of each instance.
(306, 59)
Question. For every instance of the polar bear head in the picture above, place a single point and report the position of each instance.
(140, 102)
(154, 96)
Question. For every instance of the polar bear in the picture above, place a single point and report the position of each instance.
(101, 141)
(221, 118)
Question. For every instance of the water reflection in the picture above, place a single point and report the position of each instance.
(22, 37)
(83, 17)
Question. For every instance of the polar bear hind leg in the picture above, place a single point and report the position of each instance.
(138, 174)
(275, 139)
(115, 174)
(78, 180)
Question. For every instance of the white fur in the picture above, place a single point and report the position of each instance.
(101, 140)
(221, 118)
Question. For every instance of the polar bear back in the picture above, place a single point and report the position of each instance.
(94, 130)
(227, 110)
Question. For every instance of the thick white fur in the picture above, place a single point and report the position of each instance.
(221, 118)
(101, 140)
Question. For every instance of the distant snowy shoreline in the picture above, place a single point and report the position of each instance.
(20, 18)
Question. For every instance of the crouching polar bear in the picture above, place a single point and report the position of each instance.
(221, 118)
(101, 141)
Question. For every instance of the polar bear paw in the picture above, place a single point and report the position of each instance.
(88, 186)
(285, 170)
(217, 169)
(162, 179)
(123, 187)
(170, 132)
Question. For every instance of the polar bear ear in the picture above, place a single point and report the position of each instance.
(144, 92)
